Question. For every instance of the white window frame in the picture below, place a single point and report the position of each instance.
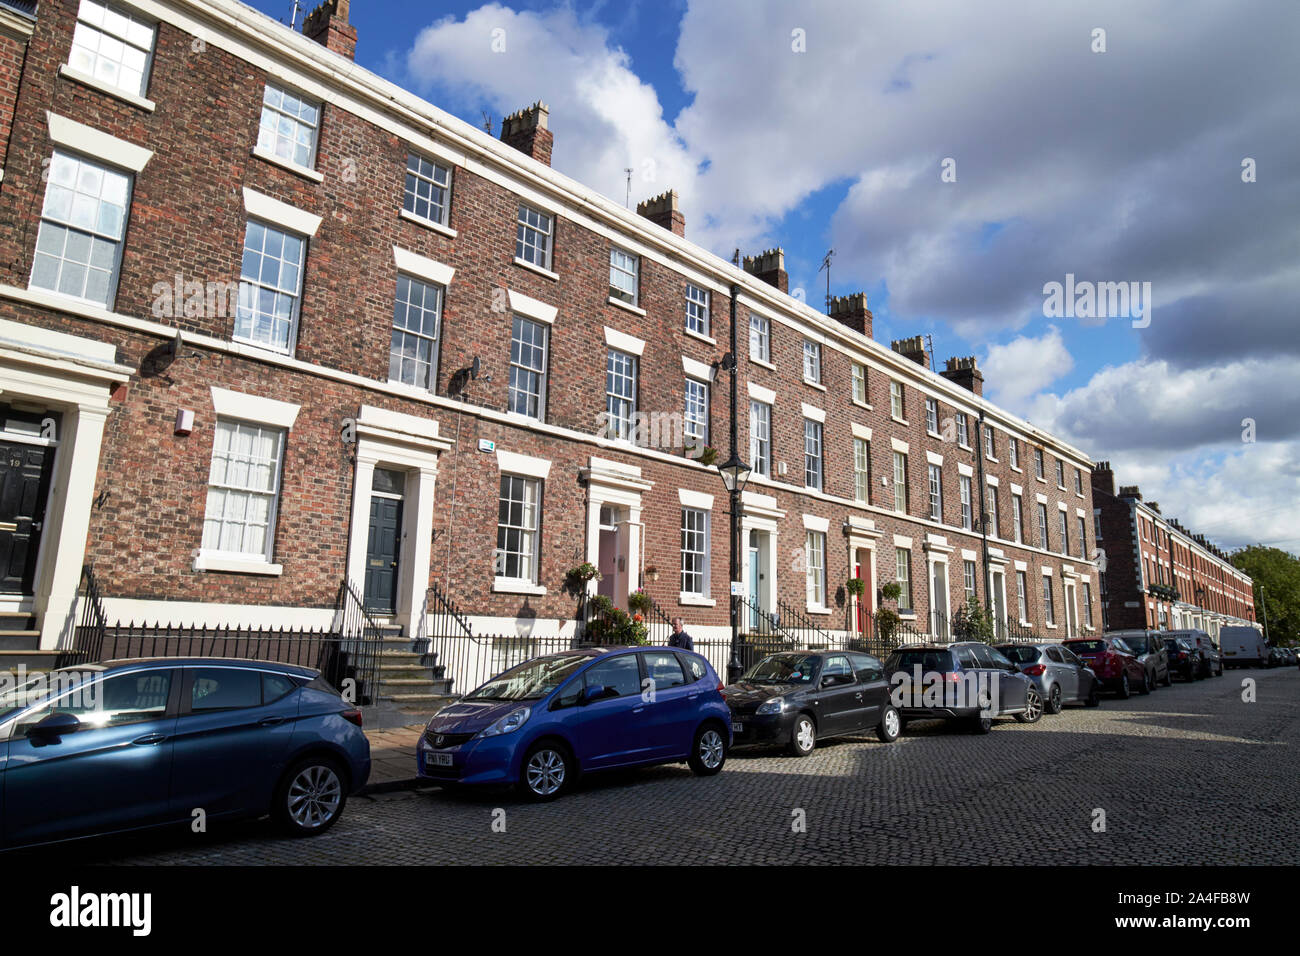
(216, 558)
(1044, 539)
(862, 470)
(617, 364)
(935, 486)
(1049, 602)
(624, 265)
(903, 575)
(534, 558)
(527, 232)
(896, 406)
(815, 569)
(963, 430)
(860, 384)
(991, 503)
(697, 310)
(760, 334)
(543, 374)
(900, 482)
(1013, 452)
(814, 455)
(932, 416)
(441, 294)
(411, 198)
(296, 119)
(702, 555)
(255, 284)
(93, 19)
(968, 579)
(695, 427)
(967, 507)
(760, 438)
(1018, 518)
(812, 362)
(1022, 596)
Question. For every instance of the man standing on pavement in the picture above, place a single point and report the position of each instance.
(679, 637)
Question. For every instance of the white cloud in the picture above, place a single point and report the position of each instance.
(605, 118)
(1025, 366)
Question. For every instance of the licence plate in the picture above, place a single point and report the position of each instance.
(737, 728)
(438, 760)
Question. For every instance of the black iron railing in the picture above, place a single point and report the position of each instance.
(361, 638)
(88, 634)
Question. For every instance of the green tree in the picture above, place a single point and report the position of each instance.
(1276, 574)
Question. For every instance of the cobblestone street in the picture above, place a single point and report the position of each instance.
(1189, 775)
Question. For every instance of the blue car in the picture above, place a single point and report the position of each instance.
(104, 748)
(541, 724)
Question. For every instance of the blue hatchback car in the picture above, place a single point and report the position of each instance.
(541, 724)
(109, 747)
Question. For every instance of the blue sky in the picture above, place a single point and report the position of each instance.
(1115, 156)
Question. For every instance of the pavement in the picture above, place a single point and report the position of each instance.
(1198, 773)
(392, 757)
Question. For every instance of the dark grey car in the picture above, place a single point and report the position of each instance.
(1061, 676)
(966, 681)
(1149, 648)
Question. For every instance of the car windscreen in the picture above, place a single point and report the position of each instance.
(1137, 643)
(783, 669)
(1087, 647)
(937, 661)
(1020, 654)
(531, 680)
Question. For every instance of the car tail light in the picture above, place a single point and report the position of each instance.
(352, 716)
(952, 676)
(721, 686)
(1035, 670)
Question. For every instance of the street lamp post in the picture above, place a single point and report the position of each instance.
(734, 474)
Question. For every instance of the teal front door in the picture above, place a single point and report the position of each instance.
(382, 554)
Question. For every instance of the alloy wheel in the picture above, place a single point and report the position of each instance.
(315, 796)
(893, 725)
(712, 749)
(545, 772)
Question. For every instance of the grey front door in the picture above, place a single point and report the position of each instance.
(382, 551)
(24, 487)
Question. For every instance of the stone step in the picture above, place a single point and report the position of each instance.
(15, 640)
(17, 622)
(33, 660)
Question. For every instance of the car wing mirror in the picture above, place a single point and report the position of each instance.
(56, 725)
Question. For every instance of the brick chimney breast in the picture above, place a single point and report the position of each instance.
(328, 25)
(663, 210)
(913, 348)
(769, 266)
(1103, 477)
(851, 310)
(526, 131)
(965, 372)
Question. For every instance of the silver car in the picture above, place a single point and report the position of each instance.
(1061, 676)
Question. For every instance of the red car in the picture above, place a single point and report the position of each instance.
(1113, 662)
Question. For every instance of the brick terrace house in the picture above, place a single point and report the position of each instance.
(268, 321)
(1157, 573)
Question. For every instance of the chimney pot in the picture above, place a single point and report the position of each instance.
(769, 266)
(851, 310)
(328, 25)
(913, 348)
(526, 131)
(965, 372)
(663, 210)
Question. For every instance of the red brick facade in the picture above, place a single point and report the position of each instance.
(187, 216)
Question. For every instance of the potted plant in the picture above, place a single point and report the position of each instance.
(639, 602)
(855, 587)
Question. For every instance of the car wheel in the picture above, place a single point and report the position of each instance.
(1147, 683)
(1093, 700)
(310, 797)
(1033, 708)
(803, 737)
(1054, 704)
(709, 751)
(981, 724)
(890, 726)
(1220, 670)
(546, 771)
(1124, 692)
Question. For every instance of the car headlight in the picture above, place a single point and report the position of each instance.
(509, 723)
(773, 706)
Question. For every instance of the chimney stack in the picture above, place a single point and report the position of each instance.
(328, 25)
(663, 210)
(1130, 491)
(770, 267)
(965, 373)
(851, 310)
(913, 348)
(526, 131)
(1103, 477)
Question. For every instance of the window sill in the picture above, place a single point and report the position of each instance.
(865, 405)
(524, 263)
(213, 562)
(992, 459)
(964, 447)
(933, 434)
(701, 336)
(1019, 471)
(695, 600)
(302, 171)
(817, 385)
(261, 346)
(906, 615)
(427, 223)
(635, 310)
(1043, 480)
(1051, 626)
(817, 609)
(85, 79)
(901, 421)
(766, 365)
(516, 586)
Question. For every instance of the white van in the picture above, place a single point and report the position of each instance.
(1242, 646)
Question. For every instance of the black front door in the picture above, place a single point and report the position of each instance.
(382, 549)
(24, 486)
